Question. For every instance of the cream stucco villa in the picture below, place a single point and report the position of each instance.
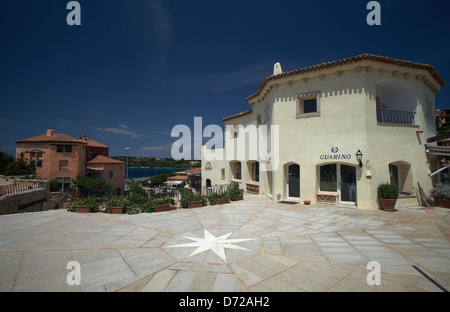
(343, 128)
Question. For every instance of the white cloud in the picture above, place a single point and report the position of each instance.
(155, 148)
(163, 28)
(120, 130)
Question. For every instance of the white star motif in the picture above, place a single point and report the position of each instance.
(216, 244)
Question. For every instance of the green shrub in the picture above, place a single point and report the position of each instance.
(441, 191)
(164, 201)
(54, 185)
(133, 209)
(215, 196)
(147, 207)
(119, 202)
(388, 191)
(236, 191)
(187, 197)
(90, 201)
(93, 187)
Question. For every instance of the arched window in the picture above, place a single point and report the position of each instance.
(400, 175)
(253, 170)
(235, 167)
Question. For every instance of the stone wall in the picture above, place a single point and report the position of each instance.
(26, 201)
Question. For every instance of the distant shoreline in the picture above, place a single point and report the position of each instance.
(143, 172)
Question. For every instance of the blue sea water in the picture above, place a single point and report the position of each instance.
(149, 172)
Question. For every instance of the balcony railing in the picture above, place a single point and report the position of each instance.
(22, 187)
(396, 117)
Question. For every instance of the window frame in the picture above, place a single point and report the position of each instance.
(301, 98)
(64, 148)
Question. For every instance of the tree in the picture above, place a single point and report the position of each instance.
(5, 160)
(93, 187)
(19, 166)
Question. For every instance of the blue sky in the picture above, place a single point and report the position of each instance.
(135, 69)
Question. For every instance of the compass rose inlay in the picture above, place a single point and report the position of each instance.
(216, 244)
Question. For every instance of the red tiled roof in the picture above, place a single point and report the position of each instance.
(96, 144)
(382, 59)
(178, 177)
(100, 159)
(56, 137)
(190, 170)
(238, 115)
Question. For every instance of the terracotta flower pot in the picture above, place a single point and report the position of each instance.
(165, 207)
(388, 204)
(442, 202)
(238, 197)
(83, 209)
(116, 210)
(307, 202)
(195, 204)
(221, 201)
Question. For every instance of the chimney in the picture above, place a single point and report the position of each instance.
(85, 139)
(50, 132)
(277, 69)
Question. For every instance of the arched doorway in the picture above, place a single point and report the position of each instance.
(293, 181)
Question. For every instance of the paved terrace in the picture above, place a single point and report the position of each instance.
(261, 245)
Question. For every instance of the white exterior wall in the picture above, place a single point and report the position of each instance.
(347, 121)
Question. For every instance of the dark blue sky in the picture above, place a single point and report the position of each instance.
(135, 69)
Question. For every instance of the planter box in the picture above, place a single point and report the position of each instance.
(116, 210)
(83, 209)
(442, 202)
(221, 201)
(159, 208)
(238, 197)
(195, 204)
(388, 204)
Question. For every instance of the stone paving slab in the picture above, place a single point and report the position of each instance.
(253, 245)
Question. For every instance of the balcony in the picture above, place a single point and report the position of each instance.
(396, 117)
(20, 187)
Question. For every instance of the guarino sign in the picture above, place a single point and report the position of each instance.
(335, 155)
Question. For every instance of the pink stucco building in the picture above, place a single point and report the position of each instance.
(62, 157)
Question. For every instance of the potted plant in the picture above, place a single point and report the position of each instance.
(441, 195)
(191, 200)
(163, 204)
(307, 202)
(219, 198)
(236, 193)
(84, 205)
(387, 195)
(117, 205)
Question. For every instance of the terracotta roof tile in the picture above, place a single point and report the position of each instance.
(56, 137)
(100, 159)
(238, 115)
(96, 144)
(178, 177)
(382, 59)
(190, 170)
